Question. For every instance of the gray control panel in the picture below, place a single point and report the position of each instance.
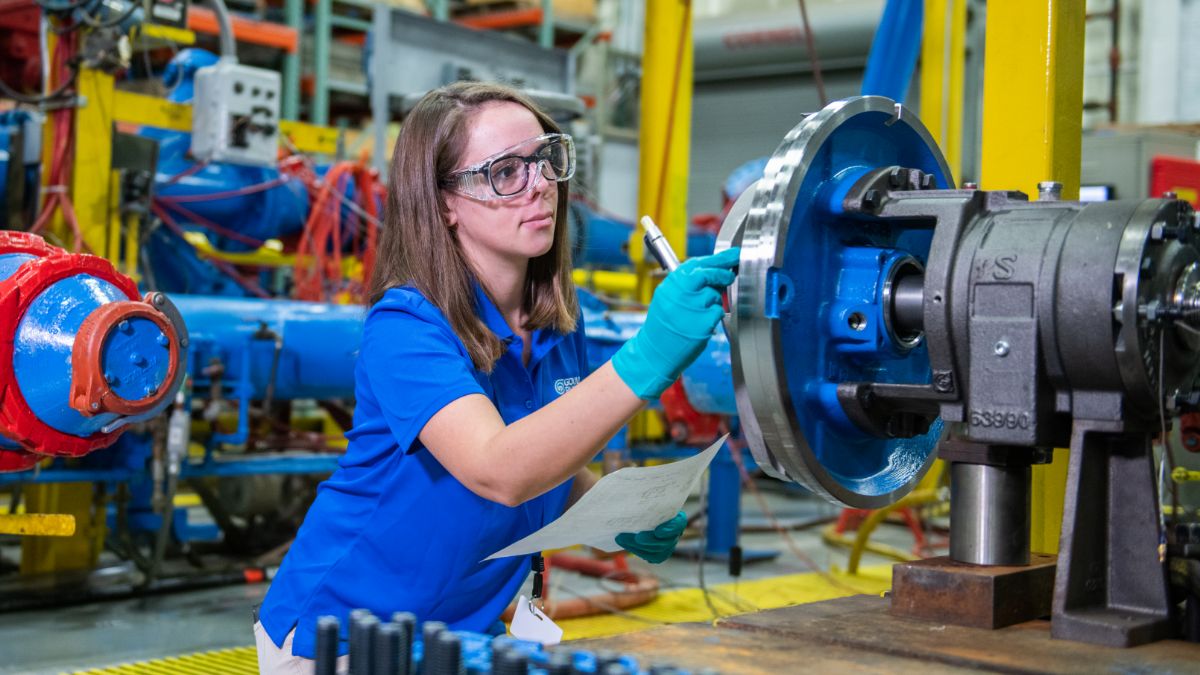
(235, 116)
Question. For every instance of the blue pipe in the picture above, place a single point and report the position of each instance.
(894, 50)
(724, 504)
(316, 358)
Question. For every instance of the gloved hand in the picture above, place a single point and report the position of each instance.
(654, 546)
(685, 310)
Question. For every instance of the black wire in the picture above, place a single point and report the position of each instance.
(89, 20)
(61, 92)
(53, 9)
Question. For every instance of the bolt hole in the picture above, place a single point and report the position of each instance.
(857, 321)
(784, 293)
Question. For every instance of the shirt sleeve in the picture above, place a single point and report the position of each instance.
(414, 368)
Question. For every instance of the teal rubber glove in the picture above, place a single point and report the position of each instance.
(654, 546)
(685, 310)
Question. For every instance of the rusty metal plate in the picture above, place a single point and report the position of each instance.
(983, 596)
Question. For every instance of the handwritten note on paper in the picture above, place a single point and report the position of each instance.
(628, 500)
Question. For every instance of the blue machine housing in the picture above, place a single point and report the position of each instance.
(45, 337)
(811, 309)
(318, 345)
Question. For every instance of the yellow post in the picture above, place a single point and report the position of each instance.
(664, 138)
(1032, 126)
(943, 61)
(79, 551)
(90, 179)
(1033, 95)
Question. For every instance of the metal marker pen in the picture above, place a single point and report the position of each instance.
(658, 246)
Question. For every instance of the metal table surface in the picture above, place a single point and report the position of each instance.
(858, 635)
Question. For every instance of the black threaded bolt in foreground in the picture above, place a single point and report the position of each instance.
(406, 622)
(327, 646)
(509, 662)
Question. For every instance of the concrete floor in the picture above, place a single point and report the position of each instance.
(110, 633)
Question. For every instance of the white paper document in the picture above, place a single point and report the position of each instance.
(628, 500)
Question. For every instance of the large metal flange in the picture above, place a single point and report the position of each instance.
(807, 310)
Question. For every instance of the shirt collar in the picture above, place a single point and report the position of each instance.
(543, 339)
(492, 318)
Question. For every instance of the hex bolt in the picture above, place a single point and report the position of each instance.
(94, 406)
(943, 380)
(871, 199)
(136, 359)
(151, 390)
(1050, 191)
(110, 379)
(163, 340)
(896, 178)
(927, 181)
(123, 326)
(1001, 349)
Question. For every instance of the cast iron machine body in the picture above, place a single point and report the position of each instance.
(881, 317)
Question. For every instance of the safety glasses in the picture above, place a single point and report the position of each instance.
(510, 172)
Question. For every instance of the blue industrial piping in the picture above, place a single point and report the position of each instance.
(894, 50)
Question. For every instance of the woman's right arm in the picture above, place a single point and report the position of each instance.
(513, 463)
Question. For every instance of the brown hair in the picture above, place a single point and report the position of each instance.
(419, 249)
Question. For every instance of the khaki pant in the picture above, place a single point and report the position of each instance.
(274, 660)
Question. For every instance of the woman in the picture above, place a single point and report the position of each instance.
(474, 420)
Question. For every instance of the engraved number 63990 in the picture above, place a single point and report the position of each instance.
(999, 419)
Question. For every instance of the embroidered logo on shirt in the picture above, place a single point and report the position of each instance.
(563, 385)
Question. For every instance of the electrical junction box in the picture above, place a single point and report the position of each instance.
(169, 12)
(235, 114)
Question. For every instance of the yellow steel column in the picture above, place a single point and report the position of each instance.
(665, 134)
(91, 176)
(1033, 95)
(943, 61)
(1032, 127)
(77, 551)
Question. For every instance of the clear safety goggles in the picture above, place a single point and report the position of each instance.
(510, 172)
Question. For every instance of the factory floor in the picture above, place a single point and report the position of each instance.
(104, 634)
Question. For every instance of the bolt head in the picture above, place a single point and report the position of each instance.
(943, 381)
(136, 359)
(94, 406)
(124, 326)
(1001, 349)
(163, 341)
(151, 390)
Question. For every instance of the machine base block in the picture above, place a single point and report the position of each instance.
(1112, 627)
(858, 634)
(981, 596)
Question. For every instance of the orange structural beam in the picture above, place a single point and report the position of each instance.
(515, 18)
(203, 20)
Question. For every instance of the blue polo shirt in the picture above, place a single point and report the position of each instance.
(391, 530)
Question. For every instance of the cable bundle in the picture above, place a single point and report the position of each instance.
(319, 272)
